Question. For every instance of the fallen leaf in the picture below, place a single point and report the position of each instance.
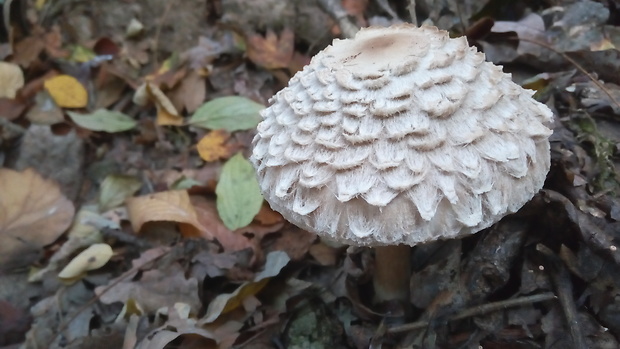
(190, 93)
(267, 216)
(45, 111)
(28, 50)
(94, 257)
(324, 254)
(11, 109)
(81, 54)
(215, 229)
(231, 113)
(172, 205)
(227, 302)
(167, 114)
(115, 189)
(67, 91)
(33, 213)
(270, 51)
(154, 289)
(12, 79)
(212, 146)
(238, 195)
(104, 120)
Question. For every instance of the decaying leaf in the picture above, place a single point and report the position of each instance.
(212, 146)
(231, 113)
(67, 91)
(45, 111)
(154, 289)
(172, 205)
(33, 213)
(94, 257)
(104, 120)
(271, 51)
(12, 79)
(115, 189)
(229, 301)
(238, 194)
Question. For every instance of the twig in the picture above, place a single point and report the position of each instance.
(162, 19)
(561, 280)
(386, 7)
(335, 10)
(412, 13)
(92, 301)
(478, 310)
(577, 65)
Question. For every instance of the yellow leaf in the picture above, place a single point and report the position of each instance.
(172, 205)
(33, 213)
(94, 257)
(67, 91)
(212, 146)
(167, 114)
(12, 79)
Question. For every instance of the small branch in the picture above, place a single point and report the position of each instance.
(563, 287)
(478, 310)
(386, 7)
(577, 65)
(335, 10)
(412, 13)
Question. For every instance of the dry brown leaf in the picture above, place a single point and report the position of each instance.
(173, 206)
(267, 216)
(212, 146)
(155, 288)
(271, 51)
(190, 92)
(356, 8)
(33, 213)
(215, 228)
(67, 91)
(11, 109)
(12, 79)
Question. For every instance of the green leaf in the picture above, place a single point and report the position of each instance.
(115, 189)
(238, 195)
(103, 120)
(231, 113)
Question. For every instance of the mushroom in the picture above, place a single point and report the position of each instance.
(397, 137)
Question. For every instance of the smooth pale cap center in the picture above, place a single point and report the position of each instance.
(374, 51)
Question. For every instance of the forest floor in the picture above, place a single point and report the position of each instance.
(120, 119)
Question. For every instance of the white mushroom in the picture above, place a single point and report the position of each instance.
(397, 137)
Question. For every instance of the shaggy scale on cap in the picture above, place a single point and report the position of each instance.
(401, 136)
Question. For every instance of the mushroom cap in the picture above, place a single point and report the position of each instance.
(400, 135)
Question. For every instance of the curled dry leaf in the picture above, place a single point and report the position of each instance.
(167, 114)
(12, 79)
(67, 91)
(212, 146)
(94, 257)
(33, 213)
(172, 205)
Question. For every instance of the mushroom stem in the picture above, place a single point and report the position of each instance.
(392, 273)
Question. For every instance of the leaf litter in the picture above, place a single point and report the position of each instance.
(146, 131)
